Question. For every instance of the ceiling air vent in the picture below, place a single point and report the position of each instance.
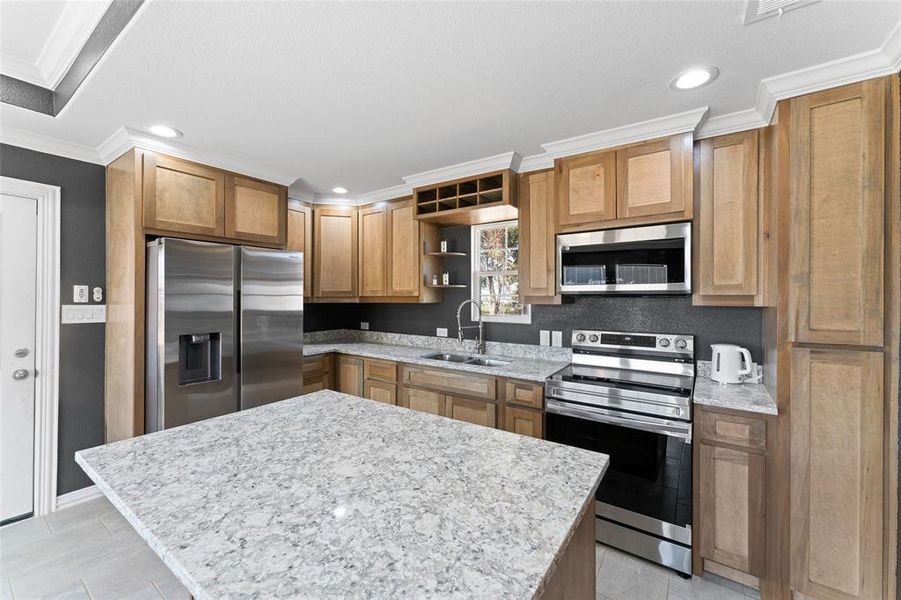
(764, 9)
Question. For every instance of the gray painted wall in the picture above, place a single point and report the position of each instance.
(673, 314)
(82, 261)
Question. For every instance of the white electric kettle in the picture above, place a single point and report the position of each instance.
(727, 362)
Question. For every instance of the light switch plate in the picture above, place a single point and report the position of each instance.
(79, 294)
(441, 331)
(544, 337)
(74, 313)
(364, 325)
(557, 339)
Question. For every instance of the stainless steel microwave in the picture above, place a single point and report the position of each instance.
(654, 259)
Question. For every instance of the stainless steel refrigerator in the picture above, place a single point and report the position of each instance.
(224, 330)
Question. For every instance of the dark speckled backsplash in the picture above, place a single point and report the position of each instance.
(670, 314)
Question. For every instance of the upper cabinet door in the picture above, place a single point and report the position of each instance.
(183, 197)
(586, 189)
(727, 219)
(300, 237)
(373, 247)
(838, 215)
(404, 271)
(255, 211)
(655, 178)
(536, 235)
(335, 254)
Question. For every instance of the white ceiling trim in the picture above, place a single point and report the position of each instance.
(75, 25)
(42, 143)
(859, 67)
(498, 162)
(388, 193)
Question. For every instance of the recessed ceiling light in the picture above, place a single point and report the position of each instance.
(695, 77)
(339, 190)
(164, 131)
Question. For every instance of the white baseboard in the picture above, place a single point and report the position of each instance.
(77, 497)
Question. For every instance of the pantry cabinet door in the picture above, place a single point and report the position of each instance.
(655, 179)
(404, 249)
(586, 189)
(837, 427)
(181, 196)
(838, 215)
(373, 250)
(255, 211)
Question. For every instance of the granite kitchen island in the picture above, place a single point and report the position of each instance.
(330, 495)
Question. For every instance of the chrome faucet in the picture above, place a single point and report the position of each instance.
(460, 327)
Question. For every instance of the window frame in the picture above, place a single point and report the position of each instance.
(474, 292)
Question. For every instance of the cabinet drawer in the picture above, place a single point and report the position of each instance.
(470, 410)
(315, 364)
(380, 391)
(732, 429)
(423, 400)
(475, 386)
(524, 393)
(380, 369)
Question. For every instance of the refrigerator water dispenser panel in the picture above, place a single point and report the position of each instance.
(199, 358)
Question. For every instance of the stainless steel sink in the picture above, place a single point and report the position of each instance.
(486, 362)
(447, 357)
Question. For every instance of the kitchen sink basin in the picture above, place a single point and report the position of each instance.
(447, 357)
(487, 362)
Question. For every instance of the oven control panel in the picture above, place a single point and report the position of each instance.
(655, 342)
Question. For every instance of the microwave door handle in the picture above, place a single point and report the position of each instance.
(603, 416)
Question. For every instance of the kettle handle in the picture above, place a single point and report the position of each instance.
(747, 358)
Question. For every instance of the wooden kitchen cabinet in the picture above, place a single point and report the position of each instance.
(586, 189)
(181, 196)
(255, 211)
(537, 246)
(837, 143)
(524, 393)
(373, 249)
(452, 382)
(424, 400)
(317, 373)
(471, 410)
(300, 238)
(380, 391)
(349, 374)
(404, 272)
(837, 486)
(654, 179)
(524, 421)
(335, 252)
(727, 222)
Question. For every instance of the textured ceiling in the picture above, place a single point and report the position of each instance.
(362, 94)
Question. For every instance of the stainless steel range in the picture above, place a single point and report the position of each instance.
(628, 395)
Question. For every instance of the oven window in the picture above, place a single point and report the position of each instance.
(649, 473)
(656, 261)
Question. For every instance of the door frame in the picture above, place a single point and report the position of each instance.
(46, 389)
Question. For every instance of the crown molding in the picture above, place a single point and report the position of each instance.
(498, 162)
(42, 143)
(384, 194)
(21, 69)
(536, 162)
(627, 134)
(851, 69)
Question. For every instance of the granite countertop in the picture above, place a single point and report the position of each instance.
(330, 495)
(531, 369)
(749, 397)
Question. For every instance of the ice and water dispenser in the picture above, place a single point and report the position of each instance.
(199, 357)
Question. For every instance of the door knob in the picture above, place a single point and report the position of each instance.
(21, 353)
(20, 373)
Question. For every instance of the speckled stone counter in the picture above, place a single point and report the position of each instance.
(749, 397)
(530, 369)
(329, 495)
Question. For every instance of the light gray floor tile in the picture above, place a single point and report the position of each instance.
(75, 544)
(624, 577)
(698, 588)
(6, 592)
(49, 584)
(23, 532)
(76, 591)
(115, 522)
(171, 588)
(599, 551)
(78, 514)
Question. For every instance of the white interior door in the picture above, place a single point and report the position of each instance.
(18, 285)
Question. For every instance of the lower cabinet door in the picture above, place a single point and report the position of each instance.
(380, 391)
(472, 411)
(313, 384)
(349, 370)
(732, 508)
(524, 421)
(424, 400)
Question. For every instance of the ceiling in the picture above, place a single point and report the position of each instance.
(362, 94)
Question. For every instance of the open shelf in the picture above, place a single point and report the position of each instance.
(446, 254)
(480, 199)
(450, 285)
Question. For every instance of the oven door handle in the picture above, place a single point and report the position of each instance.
(600, 415)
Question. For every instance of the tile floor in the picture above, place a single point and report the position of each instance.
(90, 552)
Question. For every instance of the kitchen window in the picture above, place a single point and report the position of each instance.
(495, 273)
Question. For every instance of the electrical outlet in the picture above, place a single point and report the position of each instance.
(79, 294)
(441, 331)
(97, 294)
(557, 339)
(544, 337)
(364, 325)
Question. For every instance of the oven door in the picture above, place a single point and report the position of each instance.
(644, 502)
